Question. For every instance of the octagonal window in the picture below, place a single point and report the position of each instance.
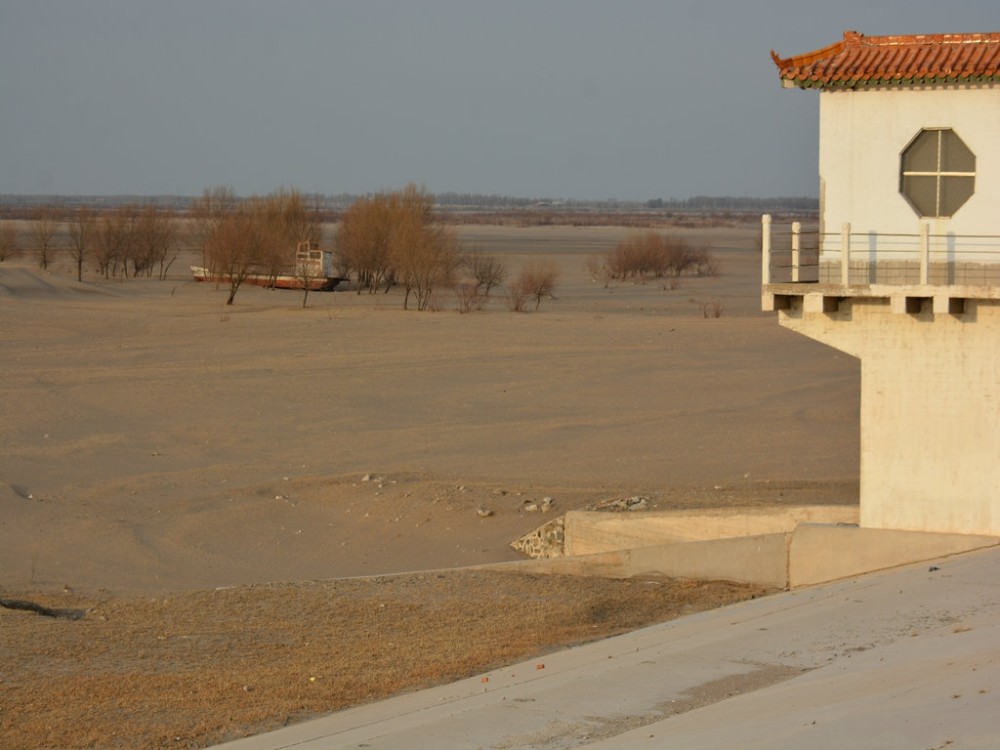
(938, 173)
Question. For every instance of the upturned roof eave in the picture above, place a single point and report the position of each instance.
(857, 61)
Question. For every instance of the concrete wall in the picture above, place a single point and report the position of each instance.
(755, 559)
(588, 532)
(930, 411)
(811, 554)
(826, 553)
(862, 135)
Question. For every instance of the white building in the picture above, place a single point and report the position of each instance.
(907, 276)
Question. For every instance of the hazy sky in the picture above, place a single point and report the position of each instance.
(587, 99)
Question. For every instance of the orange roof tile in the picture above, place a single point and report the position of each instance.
(860, 61)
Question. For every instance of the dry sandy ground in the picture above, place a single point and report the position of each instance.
(195, 668)
(155, 440)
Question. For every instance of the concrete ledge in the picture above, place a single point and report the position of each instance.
(820, 553)
(589, 532)
(749, 559)
(792, 554)
(761, 559)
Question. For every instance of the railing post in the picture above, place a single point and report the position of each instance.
(925, 251)
(845, 253)
(796, 247)
(765, 249)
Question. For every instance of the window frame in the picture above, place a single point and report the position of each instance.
(939, 174)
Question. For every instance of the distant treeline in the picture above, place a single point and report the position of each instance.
(800, 204)
(13, 206)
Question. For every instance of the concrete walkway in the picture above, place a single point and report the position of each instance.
(903, 659)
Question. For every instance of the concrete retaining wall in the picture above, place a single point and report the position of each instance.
(755, 559)
(825, 553)
(588, 532)
(806, 555)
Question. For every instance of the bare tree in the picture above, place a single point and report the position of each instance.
(239, 249)
(680, 255)
(536, 280)
(107, 245)
(312, 238)
(308, 260)
(206, 213)
(154, 242)
(167, 248)
(300, 222)
(234, 249)
(294, 225)
(486, 270)
(423, 256)
(82, 235)
(363, 241)
(42, 233)
(424, 259)
(244, 241)
(9, 237)
(115, 237)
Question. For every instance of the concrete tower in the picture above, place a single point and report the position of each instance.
(903, 270)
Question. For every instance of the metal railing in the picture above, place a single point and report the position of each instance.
(847, 258)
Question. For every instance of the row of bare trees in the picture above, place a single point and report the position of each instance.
(385, 240)
(393, 239)
(131, 240)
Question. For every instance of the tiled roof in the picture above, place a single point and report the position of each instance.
(862, 61)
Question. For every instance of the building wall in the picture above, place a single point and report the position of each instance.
(862, 135)
(930, 411)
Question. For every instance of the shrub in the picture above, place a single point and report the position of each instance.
(651, 254)
(536, 280)
(8, 240)
(470, 296)
(710, 308)
(485, 269)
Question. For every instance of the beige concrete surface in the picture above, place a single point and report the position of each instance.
(908, 658)
(750, 559)
(789, 557)
(590, 532)
(819, 553)
(929, 437)
(762, 560)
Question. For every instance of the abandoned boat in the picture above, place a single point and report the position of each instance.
(312, 269)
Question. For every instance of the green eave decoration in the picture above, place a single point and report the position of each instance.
(890, 82)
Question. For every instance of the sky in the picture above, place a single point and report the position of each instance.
(561, 99)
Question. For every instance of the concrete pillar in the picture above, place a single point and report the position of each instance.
(930, 410)
(796, 249)
(845, 254)
(925, 252)
(765, 249)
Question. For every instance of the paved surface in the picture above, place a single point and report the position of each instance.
(903, 659)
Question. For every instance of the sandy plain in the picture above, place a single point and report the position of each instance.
(155, 440)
